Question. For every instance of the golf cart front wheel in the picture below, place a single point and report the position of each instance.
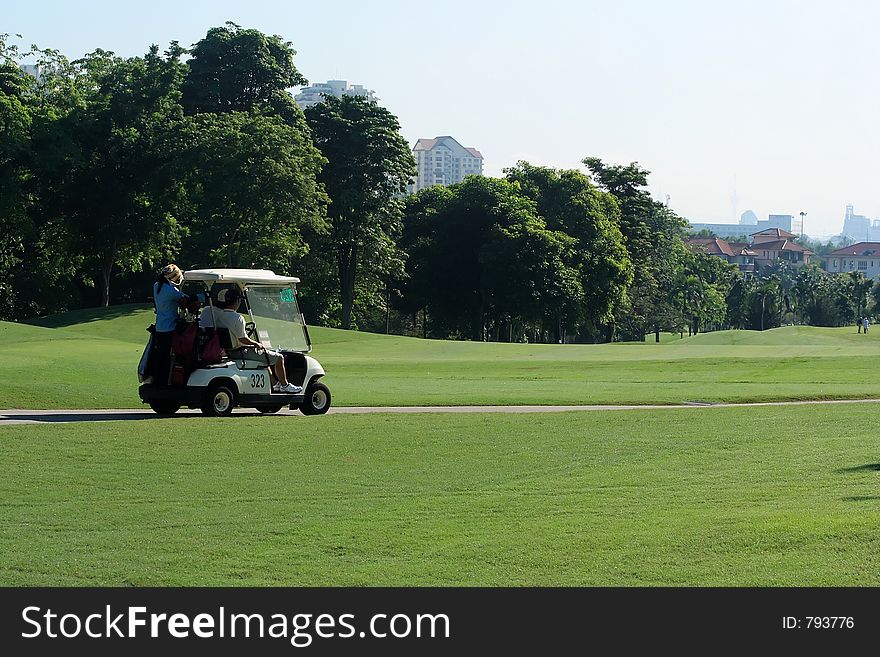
(317, 400)
(164, 407)
(219, 400)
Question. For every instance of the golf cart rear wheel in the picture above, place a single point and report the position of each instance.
(164, 406)
(317, 400)
(270, 409)
(219, 400)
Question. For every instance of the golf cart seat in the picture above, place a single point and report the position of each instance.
(205, 336)
(226, 343)
(225, 338)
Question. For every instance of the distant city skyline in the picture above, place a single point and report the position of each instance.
(774, 101)
(853, 226)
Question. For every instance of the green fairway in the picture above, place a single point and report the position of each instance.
(87, 359)
(701, 496)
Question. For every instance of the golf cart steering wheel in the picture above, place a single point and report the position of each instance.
(250, 330)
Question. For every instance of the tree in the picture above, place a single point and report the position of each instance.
(118, 194)
(653, 236)
(568, 202)
(16, 116)
(702, 289)
(419, 239)
(526, 276)
(875, 298)
(251, 189)
(736, 297)
(238, 70)
(856, 289)
(39, 257)
(764, 305)
(484, 264)
(368, 167)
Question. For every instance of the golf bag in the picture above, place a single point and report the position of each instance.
(146, 361)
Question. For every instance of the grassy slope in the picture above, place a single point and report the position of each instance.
(44, 368)
(678, 497)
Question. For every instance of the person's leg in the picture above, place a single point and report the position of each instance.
(277, 361)
(280, 371)
(162, 366)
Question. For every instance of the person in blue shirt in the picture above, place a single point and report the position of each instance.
(166, 296)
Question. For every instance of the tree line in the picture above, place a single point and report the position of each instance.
(112, 166)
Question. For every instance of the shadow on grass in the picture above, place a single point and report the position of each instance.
(87, 315)
(82, 416)
(868, 467)
(860, 498)
(37, 417)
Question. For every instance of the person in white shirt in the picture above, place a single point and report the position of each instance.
(243, 348)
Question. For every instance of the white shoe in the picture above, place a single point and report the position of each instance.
(290, 389)
(276, 387)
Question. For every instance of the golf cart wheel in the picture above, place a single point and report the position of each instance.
(268, 410)
(219, 400)
(164, 407)
(317, 400)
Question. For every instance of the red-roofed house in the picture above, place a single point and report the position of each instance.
(775, 244)
(737, 253)
(443, 161)
(863, 257)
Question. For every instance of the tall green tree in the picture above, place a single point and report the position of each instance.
(702, 289)
(251, 189)
(38, 230)
(368, 167)
(119, 193)
(570, 203)
(813, 293)
(653, 235)
(233, 69)
(528, 277)
(16, 116)
(764, 305)
(482, 263)
(856, 289)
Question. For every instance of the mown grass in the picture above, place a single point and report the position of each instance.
(87, 359)
(699, 496)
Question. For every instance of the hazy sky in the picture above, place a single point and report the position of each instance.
(779, 98)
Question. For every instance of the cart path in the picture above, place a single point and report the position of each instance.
(21, 416)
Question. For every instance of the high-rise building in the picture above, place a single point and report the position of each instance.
(314, 94)
(443, 161)
(859, 227)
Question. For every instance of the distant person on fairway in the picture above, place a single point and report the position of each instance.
(860, 322)
(243, 347)
(865, 324)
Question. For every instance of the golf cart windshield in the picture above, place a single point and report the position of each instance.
(276, 314)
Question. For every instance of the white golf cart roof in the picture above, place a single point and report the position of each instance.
(241, 276)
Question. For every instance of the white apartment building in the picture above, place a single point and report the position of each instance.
(443, 161)
(313, 95)
(863, 257)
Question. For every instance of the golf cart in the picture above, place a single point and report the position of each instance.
(218, 384)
